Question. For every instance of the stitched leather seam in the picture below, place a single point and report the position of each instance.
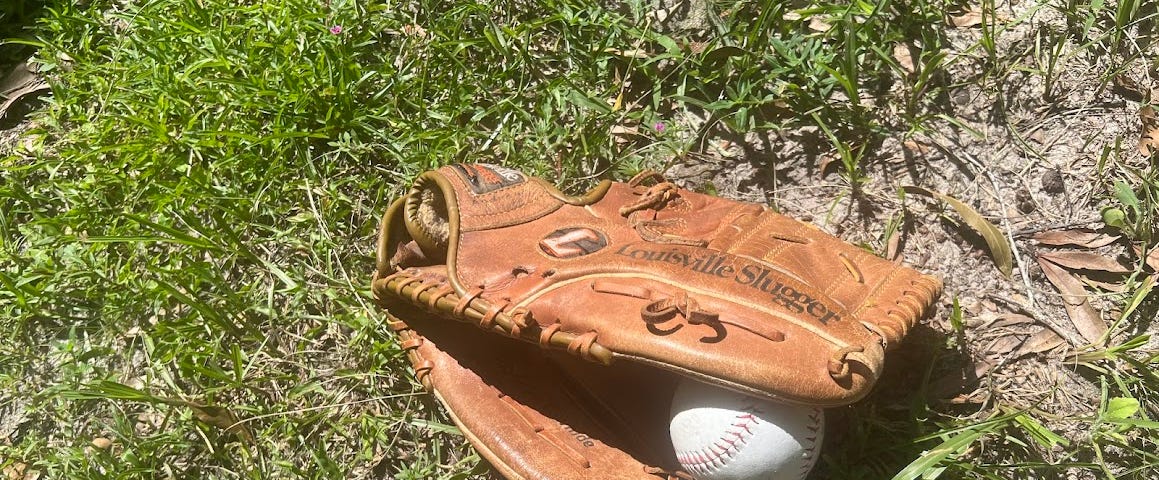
(751, 228)
(524, 414)
(873, 294)
(771, 255)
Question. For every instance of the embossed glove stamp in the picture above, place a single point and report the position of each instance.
(649, 279)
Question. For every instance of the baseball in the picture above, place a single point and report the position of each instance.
(719, 434)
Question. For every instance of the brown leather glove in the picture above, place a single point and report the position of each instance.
(536, 414)
(676, 282)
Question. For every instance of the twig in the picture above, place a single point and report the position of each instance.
(1055, 226)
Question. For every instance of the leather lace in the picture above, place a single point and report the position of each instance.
(654, 197)
(493, 315)
(664, 309)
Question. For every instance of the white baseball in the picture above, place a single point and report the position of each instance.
(719, 434)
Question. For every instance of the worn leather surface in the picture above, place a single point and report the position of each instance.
(728, 292)
(536, 414)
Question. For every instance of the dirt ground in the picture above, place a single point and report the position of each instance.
(1027, 159)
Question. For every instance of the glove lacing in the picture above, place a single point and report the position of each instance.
(655, 198)
(502, 317)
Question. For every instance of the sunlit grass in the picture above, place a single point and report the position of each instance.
(185, 239)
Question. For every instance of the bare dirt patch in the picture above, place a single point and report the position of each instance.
(1033, 152)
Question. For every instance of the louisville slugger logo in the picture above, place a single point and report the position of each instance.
(573, 242)
(483, 178)
(754, 276)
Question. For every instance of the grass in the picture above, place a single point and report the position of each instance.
(186, 231)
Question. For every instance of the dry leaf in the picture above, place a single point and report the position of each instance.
(1152, 259)
(1010, 320)
(1104, 286)
(624, 131)
(818, 25)
(916, 148)
(630, 53)
(413, 30)
(222, 418)
(969, 18)
(903, 57)
(827, 160)
(21, 82)
(15, 471)
(622, 134)
(1089, 261)
(999, 247)
(1149, 138)
(1129, 88)
(1004, 345)
(1084, 316)
(696, 47)
(979, 396)
(1043, 341)
(1077, 238)
(893, 246)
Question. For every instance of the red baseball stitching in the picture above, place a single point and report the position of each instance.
(717, 454)
(814, 427)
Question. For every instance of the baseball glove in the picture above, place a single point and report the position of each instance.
(677, 283)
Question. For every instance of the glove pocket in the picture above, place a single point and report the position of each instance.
(535, 415)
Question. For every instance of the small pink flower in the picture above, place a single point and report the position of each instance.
(659, 126)
(337, 29)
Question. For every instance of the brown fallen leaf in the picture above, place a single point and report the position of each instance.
(1128, 88)
(904, 59)
(629, 53)
(999, 247)
(21, 82)
(969, 18)
(1077, 238)
(818, 25)
(974, 17)
(1089, 261)
(893, 246)
(915, 148)
(1149, 137)
(1104, 286)
(15, 471)
(827, 160)
(1010, 320)
(1152, 259)
(222, 418)
(1004, 345)
(1043, 341)
(979, 396)
(624, 131)
(1085, 318)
